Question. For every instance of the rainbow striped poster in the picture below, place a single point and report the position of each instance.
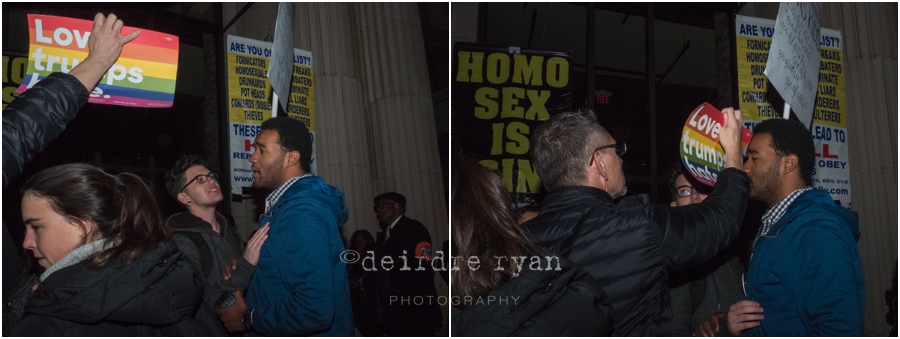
(143, 76)
(701, 153)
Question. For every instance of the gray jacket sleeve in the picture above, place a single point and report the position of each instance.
(190, 250)
(240, 277)
(681, 310)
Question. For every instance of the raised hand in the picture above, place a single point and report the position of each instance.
(104, 46)
(730, 137)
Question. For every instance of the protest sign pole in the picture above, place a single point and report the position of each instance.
(274, 103)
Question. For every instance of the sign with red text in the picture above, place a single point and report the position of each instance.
(829, 114)
(143, 76)
(701, 153)
(250, 100)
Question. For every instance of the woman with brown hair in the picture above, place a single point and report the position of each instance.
(515, 289)
(110, 267)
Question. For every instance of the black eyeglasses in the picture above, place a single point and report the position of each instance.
(202, 178)
(620, 150)
(684, 191)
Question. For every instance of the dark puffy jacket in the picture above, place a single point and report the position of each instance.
(36, 118)
(156, 295)
(630, 247)
(540, 303)
(30, 123)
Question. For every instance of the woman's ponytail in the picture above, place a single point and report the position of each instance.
(141, 226)
(122, 208)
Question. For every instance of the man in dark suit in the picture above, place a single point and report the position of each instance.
(406, 293)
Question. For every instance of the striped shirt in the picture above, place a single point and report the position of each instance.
(276, 195)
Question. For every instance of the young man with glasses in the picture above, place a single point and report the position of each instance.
(631, 246)
(699, 292)
(204, 235)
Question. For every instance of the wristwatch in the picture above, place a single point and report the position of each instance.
(248, 320)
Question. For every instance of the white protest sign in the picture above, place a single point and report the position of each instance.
(793, 65)
(282, 63)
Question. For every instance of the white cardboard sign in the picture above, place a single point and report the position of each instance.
(793, 65)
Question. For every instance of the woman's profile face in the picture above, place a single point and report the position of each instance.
(48, 234)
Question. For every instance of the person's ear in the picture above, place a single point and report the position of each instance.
(601, 167)
(789, 164)
(292, 158)
(183, 198)
(86, 227)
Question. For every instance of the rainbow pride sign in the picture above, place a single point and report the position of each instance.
(701, 153)
(143, 76)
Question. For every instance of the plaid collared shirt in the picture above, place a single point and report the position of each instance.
(276, 195)
(775, 213)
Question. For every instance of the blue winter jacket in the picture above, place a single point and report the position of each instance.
(806, 273)
(300, 287)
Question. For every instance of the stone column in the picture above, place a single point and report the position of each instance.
(398, 110)
(342, 145)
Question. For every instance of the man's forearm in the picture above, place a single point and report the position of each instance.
(241, 276)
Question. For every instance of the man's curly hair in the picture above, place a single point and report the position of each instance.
(791, 137)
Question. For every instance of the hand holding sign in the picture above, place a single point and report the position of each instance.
(137, 69)
(730, 138)
(705, 130)
(104, 46)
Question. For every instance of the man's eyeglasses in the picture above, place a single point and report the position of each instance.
(684, 191)
(377, 206)
(621, 148)
(202, 178)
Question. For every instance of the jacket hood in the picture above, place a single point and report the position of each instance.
(823, 199)
(313, 186)
(156, 289)
(185, 220)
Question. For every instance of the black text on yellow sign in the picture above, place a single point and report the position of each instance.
(516, 90)
(13, 75)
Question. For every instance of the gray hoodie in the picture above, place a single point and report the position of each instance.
(223, 247)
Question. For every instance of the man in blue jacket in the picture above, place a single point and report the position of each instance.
(805, 277)
(300, 287)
